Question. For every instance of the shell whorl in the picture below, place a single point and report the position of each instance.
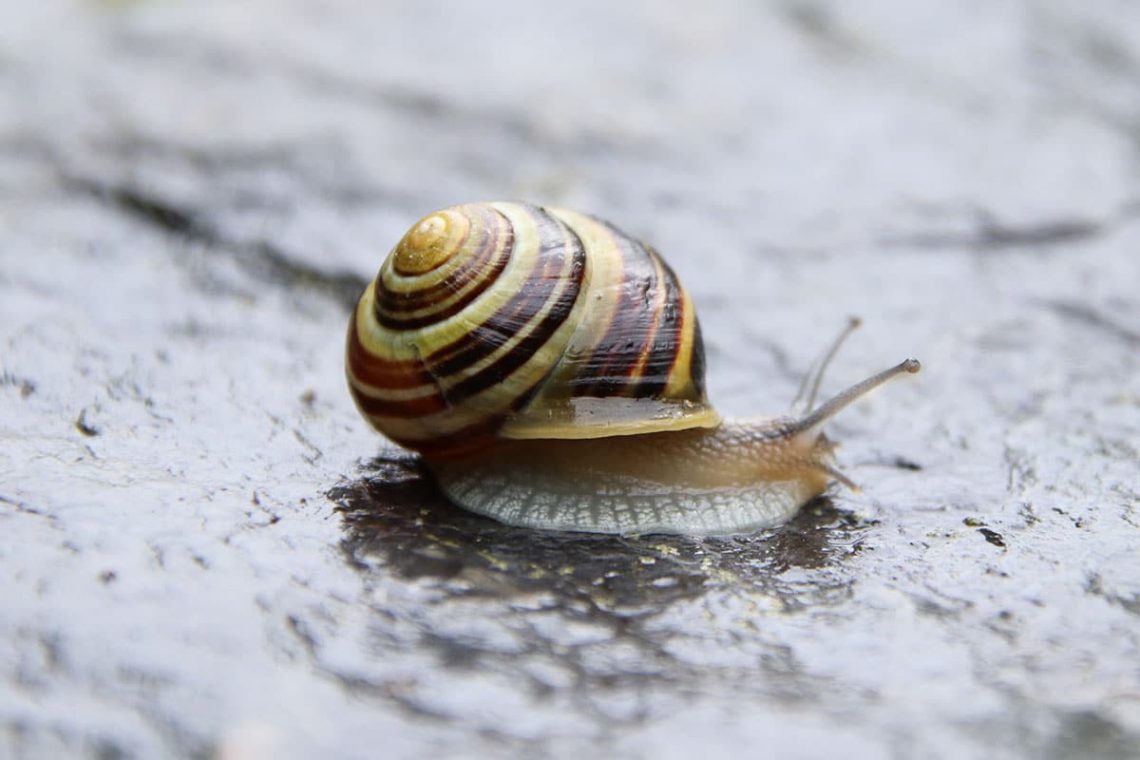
(510, 320)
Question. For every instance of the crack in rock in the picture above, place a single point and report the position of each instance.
(1085, 315)
(992, 234)
(261, 258)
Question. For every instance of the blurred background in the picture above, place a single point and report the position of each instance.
(210, 555)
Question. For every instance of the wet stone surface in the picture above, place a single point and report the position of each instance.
(206, 553)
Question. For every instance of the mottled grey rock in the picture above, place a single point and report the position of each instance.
(207, 554)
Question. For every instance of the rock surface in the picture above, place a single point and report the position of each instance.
(206, 553)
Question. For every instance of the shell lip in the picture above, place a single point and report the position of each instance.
(606, 417)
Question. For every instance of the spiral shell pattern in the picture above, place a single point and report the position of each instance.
(506, 320)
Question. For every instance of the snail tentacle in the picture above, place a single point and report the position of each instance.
(836, 404)
(809, 388)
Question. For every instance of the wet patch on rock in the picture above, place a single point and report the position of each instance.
(611, 628)
(396, 519)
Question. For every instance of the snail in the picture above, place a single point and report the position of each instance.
(549, 369)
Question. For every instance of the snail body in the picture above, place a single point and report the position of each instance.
(550, 370)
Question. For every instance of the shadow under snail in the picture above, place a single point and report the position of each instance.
(550, 371)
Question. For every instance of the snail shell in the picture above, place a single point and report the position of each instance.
(501, 320)
(550, 369)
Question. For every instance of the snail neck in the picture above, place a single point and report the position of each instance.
(797, 445)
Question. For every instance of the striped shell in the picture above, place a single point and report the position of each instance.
(505, 320)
